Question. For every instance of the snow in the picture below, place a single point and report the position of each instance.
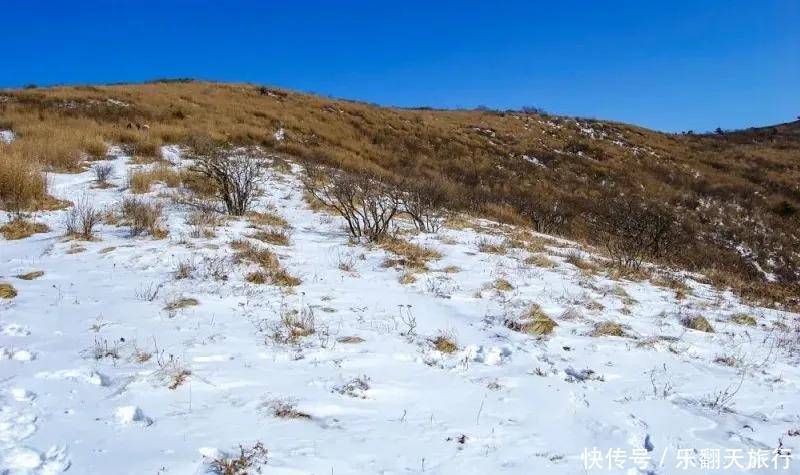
(6, 136)
(503, 402)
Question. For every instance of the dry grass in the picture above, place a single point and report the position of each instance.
(271, 270)
(20, 228)
(407, 278)
(445, 343)
(241, 464)
(411, 256)
(272, 236)
(181, 302)
(7, 291)
(534, 322)
(608, 328)
(540, 260)
(475, 155)
(143, 217)
(140, 181)
(350, 339)
(488, 246)
(698, 323)
(502, 285)
(22, 185)
(744, 319)
(287, 410)
(30, 275)
(265, 218)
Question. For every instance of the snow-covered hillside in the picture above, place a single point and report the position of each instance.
(142, 356)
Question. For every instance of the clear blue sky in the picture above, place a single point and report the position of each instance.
(667, 65)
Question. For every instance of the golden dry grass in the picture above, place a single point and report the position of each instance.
(445, 343)
(7, 291)
(276, 237)
(30, 275)
(411, 256)
(608, 328)
(140, 181)
(534, 322)
(475, 154)
(20, 228)
(271, 270)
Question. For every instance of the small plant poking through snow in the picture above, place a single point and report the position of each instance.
(102, 172)
(143, 217)
(286, 410)
(445, 343)
(698, 323)
(7, 291)
(20, 228)
(356, 387)
(248, 458)
(534, 322)
(81, 220)
(608, 328)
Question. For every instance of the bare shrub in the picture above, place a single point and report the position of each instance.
(102, 172)
(236, 179)
(426, 205)
(143, 217)
(633, 231)
(368, 205)
(81, 219)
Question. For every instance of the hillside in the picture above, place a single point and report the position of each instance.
(144, 330)
(732, 199)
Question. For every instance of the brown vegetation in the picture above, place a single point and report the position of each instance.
(738, 190)
(20, 228)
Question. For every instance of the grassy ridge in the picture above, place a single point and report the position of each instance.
(735, 195)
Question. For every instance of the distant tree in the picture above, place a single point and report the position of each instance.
(719, 131)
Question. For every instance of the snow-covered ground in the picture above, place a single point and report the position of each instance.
(79, 393)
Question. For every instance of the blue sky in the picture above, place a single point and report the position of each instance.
(666, 65)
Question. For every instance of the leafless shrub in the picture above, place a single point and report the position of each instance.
(426, 203)
(171, 369)
(236, 179)
(546, 213)
(368, 205)
(148, 292)
(633, 231)
(102, 350)
(102, 172)
(81, 219)
(185, 270)
(241, 464)
(722, 399)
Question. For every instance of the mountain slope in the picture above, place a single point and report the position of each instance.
(734, 196)
(138, 354)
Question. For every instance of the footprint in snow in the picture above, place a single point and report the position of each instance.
(28, 460)
(16, 355)
(494, 356)
(83, 375)
(22, 394)
(130, 415)
(14, 329)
